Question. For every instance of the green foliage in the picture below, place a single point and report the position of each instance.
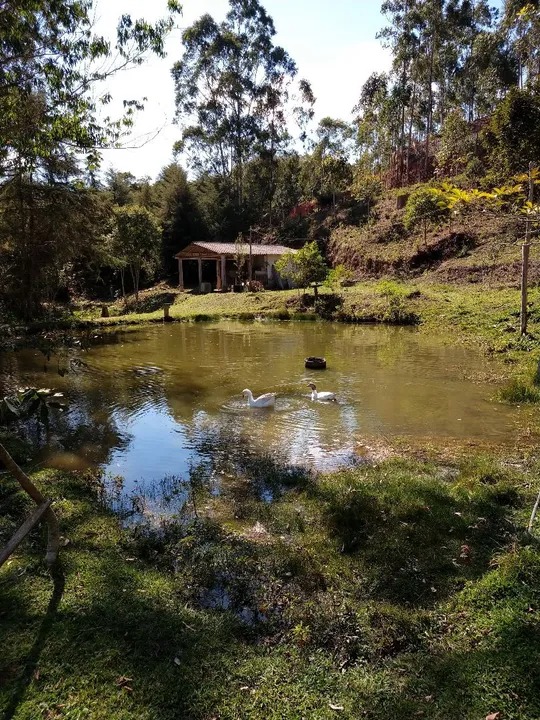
(339, 276)
(250, 119)
(427, 205)
(178, 209)
(46, 227)
(515, 127)
(396, 312)
(365, 187)
(28, 403)
(304, 267)
(52, 119)
(519, 392)
(457, 144)
(135, 242)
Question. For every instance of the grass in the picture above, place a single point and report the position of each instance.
(405, 589)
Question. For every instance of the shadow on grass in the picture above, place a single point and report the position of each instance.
(115, 638)
(32, 659)
(349, 568)
(149, 304)
(417, 537)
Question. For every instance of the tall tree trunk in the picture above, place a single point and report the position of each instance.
(430, 106)
(409, 141)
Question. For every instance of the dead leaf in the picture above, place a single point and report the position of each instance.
(123, 681)
(494, 716)
(336, 707)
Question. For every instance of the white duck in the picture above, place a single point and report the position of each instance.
(263, 401)
(321, 395)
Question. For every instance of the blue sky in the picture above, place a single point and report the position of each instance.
(333, 45)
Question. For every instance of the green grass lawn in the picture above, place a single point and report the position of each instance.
(407, 589)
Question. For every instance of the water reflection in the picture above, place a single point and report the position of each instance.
(143, 405)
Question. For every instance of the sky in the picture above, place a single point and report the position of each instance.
(332, 43)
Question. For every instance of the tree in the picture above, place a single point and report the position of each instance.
(425, 206)
(233, 88)
(457, 144)
(515, 129)
(305, 267)
(45, 228)
(135, 243)
(51, 65)
(179, 214)
(327, 170)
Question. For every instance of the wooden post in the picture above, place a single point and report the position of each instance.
(166, 316)
(180, 273)
(250, 264)
(200, 273)
(223, 272)
(53, 541)
(524, 277)
(525, 249)
(218, 276)
(23, 531)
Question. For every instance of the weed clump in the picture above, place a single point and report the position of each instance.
(518, 392)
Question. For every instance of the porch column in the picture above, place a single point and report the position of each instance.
(180, 273)
(218, 276)
(223, 272)
(200, 272)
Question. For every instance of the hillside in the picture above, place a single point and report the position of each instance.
(475, 247)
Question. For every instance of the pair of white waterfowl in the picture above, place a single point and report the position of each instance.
(269, 399)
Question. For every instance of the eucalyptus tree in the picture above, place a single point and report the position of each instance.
(328, 170)
(402, 98)
(234, 90)
(377, 119)
(521, 22)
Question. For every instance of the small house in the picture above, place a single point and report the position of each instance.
(217, 264)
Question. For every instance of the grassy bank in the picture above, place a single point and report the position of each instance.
(490, 313)
(402, 590)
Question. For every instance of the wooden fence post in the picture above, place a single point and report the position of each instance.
(53, 542)
(525, 250)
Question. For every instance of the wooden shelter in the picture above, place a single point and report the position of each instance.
(260, 261)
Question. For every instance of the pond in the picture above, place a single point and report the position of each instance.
(150, 403)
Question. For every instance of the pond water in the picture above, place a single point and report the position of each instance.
(150, 403)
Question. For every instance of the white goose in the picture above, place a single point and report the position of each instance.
(321, 395)
(263, 401)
